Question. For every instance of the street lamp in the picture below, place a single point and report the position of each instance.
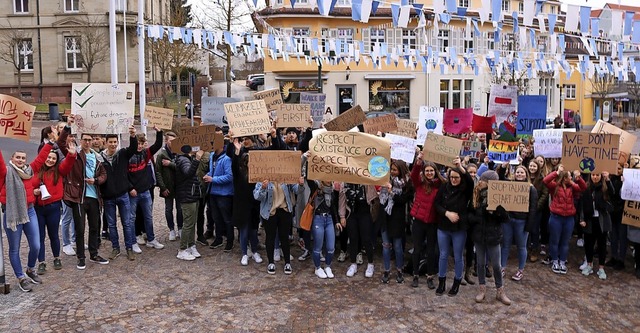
(561, 87)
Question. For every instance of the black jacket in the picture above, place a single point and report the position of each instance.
(486, 225)
(187, 183)
(530, 217)
(454, 199)
(117, 184)
(140, 173)
(594, 198)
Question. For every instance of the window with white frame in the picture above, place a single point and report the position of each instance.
(324, 42)
(408, 39)
(20, 6)
(547, 86)
(377, 37)
(505, 5)
(121, 5)
(279, 2)
(71, 5)
(345, 35)
(521, 7)
(25, 54)
(456, 93)
(302, 1)
(301, 36)
(72, 52)
(443, 40)
(463, 3)
(343, 3)
(570, 91)
(468, 42)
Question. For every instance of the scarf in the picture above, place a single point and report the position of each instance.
(16, 207)
(397, 185)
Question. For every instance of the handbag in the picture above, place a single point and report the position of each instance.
(307, 214)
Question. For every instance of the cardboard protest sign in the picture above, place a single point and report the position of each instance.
(16, 118)
(631, 185)
(441, 149)
(627, 140)
(294, 115)
(198, 137)
(384, 124)
(472, 149)
(402, 148)
(347, 120)
(430, 120)
(407, 128)
(502, 101)
(590, 152)
(631, 214)
(513, 196)
(548, 142)
(159, 117)
(102, 107)
(502, 151)
(532, 114)
(458, 121)
(351, 157)
(317, 102)
(272, 98)
(248, 118)
(282, 166)
(481, 124)
(212, 110)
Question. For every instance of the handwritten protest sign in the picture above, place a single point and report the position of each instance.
(627, 140)
(502, 151)
(317, 102)
(212, 110)
(481, 124)
(351, 157)
(548, 142)
(532, 114)
(16, 118)
(441, 149)
(458, 121)
(198, 137)
(631, 185)
(513, 196)
(384, 124)
(407, 128)
(294, 115)
(248, 118)
(272, 98)
(159, 117)
(631, 214)
(102, 107)
(283, 166)
(472, 149)
(402, 148)
(347, 120)
(502, 101)
(590, 152)
(430, 120)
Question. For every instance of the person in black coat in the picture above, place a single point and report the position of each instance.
(188, 193)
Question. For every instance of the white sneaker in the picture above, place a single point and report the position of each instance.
(86, 246)
(276, 255)
(179, 233)
(136, 248)
(68, 250)
(342, 256)
(327, 270)
(144, 236)
(155, 244)
(245, 260)
(140, 240)
(369, 272)
(185, 255)
(359, 260)
(584, 265)
(194, 252)
(353, 269)
(257, 258)
(580, 242)
(172, 235)
(320, 273)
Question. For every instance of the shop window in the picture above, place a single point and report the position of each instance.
(390, 96)
(291, 89)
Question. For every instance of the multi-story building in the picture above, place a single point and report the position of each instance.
(397, 83)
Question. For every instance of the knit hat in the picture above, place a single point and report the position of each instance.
(489, 175)
(186, 149)
(291, 129)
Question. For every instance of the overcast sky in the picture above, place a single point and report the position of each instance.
(600, 3)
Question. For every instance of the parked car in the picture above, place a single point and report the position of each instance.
(256, 82)
(251, 77)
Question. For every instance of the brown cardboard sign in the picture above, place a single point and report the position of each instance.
(627, 140)
(198, 137)
(441, 149)
(16, 118)
(631, 213)
(272, 98)
(159, 117)
(383, 124)
(407, 128)
(282, 166)
(248, 118)
(348, 120)
(513, 196)
(590, 152)
(294, 115)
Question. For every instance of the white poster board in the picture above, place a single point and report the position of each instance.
(430, 120)
(102, 108)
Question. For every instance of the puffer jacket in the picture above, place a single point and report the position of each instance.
(423, 205)
(28, 184)
(487, 225)
(187, 184)
(454, 199)
(165, 175)
(562, 196)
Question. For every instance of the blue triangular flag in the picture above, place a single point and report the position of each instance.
(585, 16)
(552, 22)
(293, 3)
(628, 18)
(374, 7)
(356, 10)
(395, 12)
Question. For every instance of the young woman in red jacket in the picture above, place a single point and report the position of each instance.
(48, 209)
(426, 180)
(562, 189)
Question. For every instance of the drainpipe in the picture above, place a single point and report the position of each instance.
(39, 49)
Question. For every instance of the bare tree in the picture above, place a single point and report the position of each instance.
(601, 87)
(94, 43)
(511, 46)
(634, 95)
(16, 48)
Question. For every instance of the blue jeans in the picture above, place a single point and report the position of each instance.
(248, 235)
(560, 229)
(123, 203)
(221, 206)
(514, 231)
(493, 252)
(30, 230)
(144, 199)
(68, 229)
(323, 231)
(49, 218)
(168, 213)
(445, 239)
(386, 251)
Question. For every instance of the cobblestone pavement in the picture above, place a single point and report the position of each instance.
(161, 293)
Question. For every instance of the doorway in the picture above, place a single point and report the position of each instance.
(346, 98)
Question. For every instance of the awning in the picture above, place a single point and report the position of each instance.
(300, 77)
(389, 77)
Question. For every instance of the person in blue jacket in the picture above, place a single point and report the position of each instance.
(220, 179)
